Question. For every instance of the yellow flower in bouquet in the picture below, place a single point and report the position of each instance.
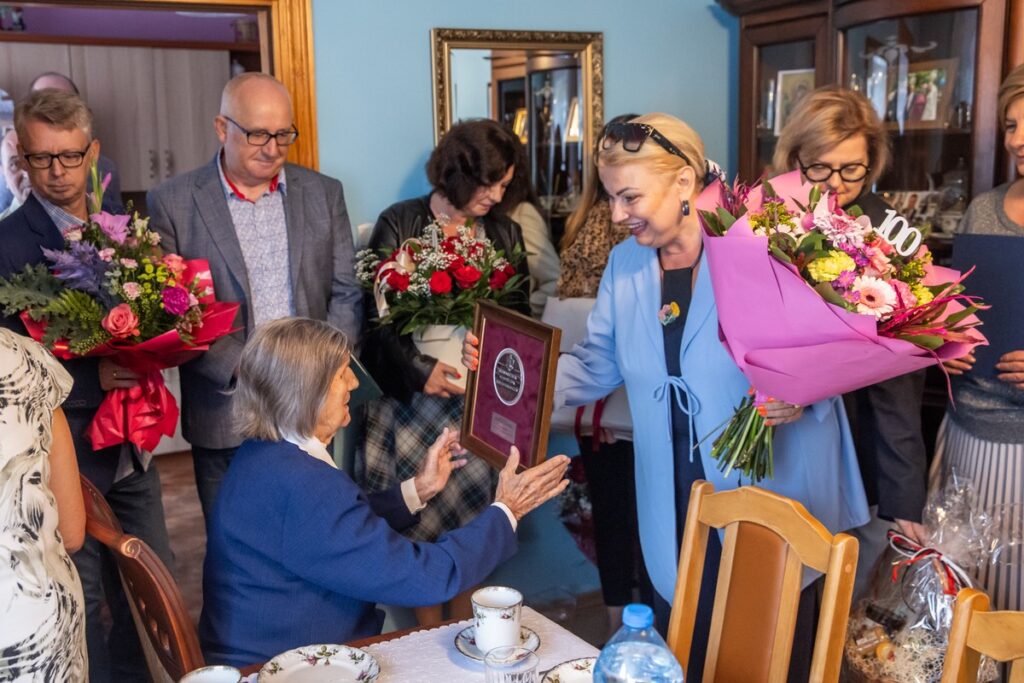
(830, 267)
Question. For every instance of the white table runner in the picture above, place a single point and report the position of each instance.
(431, 657)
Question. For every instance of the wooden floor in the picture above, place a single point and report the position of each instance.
(586, 618)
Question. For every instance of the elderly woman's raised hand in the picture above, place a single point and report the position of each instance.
(443, 457)
(522, 492)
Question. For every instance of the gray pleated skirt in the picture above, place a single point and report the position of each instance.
(997, 470)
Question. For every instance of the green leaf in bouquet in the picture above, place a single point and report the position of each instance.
(829, 294)
(33, 288)
(768, 191)
(925, 341)
(75, 316)
(779, 254)
(726, 219)
(855, 211)
(954, 318)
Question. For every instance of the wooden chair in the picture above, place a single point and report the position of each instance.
(976, 631)
(168, 636)
(100, 521)
(769, 539)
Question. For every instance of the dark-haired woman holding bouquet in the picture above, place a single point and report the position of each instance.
(469, 171)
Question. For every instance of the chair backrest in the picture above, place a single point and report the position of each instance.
(100, 521)
(769, 539)
(976, 631)
(166, 631)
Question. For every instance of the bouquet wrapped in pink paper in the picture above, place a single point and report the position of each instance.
(814, 301)
(113, 292)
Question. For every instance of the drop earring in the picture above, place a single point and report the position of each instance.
(685, 210)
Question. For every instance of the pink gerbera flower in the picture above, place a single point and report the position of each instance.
(877, 297)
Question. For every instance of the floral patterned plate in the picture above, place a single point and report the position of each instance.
(321, 664)
(573, 671)
(466, 643)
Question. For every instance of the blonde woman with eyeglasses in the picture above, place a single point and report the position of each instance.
(654, 328)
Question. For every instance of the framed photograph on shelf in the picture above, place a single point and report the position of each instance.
(509, 397)
(927, 95)
(519, 125)
(791, 85)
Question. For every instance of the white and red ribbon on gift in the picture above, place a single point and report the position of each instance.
(403, 263)
(954, 577)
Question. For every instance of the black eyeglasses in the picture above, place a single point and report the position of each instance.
(632, 136)
(43, 160)
(258, 138)
(819, 173)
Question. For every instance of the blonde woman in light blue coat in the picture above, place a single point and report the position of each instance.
(654, 328)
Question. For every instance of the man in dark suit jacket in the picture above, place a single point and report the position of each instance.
(278, 240)
(56, 148)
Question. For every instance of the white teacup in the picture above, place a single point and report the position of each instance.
(213, 674)
(496, 612)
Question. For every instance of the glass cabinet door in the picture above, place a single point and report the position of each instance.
(785, 76)
(780, 62)
(919, 73)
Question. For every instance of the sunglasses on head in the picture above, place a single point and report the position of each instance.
(632, 136)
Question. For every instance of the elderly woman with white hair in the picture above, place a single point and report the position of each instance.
(297, 554)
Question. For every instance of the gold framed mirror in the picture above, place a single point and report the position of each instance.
(548, 86)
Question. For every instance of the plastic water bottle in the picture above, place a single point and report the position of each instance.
(636, 653)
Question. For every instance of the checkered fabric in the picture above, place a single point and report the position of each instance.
(397, 439)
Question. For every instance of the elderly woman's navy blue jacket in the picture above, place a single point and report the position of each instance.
(297, 554)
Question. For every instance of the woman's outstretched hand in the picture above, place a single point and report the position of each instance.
(470, 352)
(525, 491)
(443, 457)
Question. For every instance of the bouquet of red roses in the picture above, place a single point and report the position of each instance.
(437, 280)
(111, 291)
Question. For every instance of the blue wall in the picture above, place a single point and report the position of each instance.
(373, 77)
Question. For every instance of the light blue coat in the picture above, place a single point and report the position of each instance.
(815, 462)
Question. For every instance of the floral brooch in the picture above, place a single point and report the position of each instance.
(668, 314)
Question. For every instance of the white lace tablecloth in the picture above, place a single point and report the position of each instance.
(431, 657)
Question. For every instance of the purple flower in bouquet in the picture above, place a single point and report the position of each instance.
(114, 227)
(176, 300)
(81, 267)
(845, 279)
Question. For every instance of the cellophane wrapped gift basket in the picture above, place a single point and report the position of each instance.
(898, 633)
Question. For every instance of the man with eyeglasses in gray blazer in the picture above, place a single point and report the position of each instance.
(278, 240)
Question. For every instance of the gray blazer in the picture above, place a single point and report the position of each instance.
(190, 213)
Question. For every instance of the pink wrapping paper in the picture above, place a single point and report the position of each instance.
(785, 338)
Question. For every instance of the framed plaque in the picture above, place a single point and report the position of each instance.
(509, 397)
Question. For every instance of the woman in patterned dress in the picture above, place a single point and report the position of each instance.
(42, 520)
(982, 437)
(470, 170)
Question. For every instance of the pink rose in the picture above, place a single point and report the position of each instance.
(129, 263)
(878, 261)
(107, 254)
(121, 322)
(174, 263)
